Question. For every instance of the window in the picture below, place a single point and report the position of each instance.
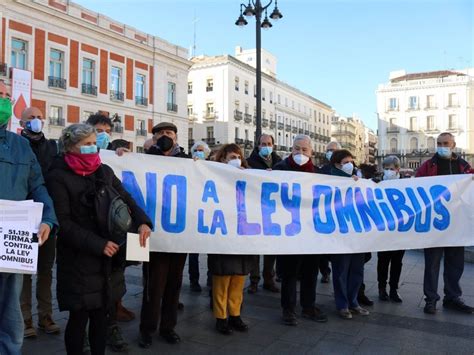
(393, 145)
(56, 116)
(430, 123)
(254, 91)
(236, 83)
(209, 109)
(413, 125)
(171, 93)
(431, 144)
(140, 89)
(279, 99)
(56, 61)
(264, 114)
(190, 87)
(88, 72)
(271, 97)
(452, 100)
(452, 122)
(190, 133)
(413, 102)
(19, 54)
(293, 104)
(393, 123)
(236, 132)
(430, 101)
(246, 88)
(263, 94)
(237, 105)
(413, 144)
(246, 134)
(86, 114)
(246, 108)
(190, 110)
(209, 85)
(116, 79)
(393, 104)
(286, 102)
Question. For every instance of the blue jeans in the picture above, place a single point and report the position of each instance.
(11, 320)
(347, 277)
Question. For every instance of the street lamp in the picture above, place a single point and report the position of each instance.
(255, 8)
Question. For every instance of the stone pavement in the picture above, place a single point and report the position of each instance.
(390, 328)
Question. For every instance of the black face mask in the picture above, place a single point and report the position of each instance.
(165, 143)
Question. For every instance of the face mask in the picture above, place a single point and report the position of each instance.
(265, 151)
(235, 162)
(300, 159)
(165, 143)
(5, 110)
(444, 152)
(200, 155)
(390, 174)
(88, 149)
(348, 168)
(329, 155)
(103, 140)
(35, 125)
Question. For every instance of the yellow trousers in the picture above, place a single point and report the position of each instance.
(227, 295)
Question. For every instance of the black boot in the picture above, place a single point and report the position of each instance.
(223, 327)
(362, 298)
(394, 296)
(238, 324)
(383, 295)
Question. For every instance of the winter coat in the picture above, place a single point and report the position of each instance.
(430, 167)
(46, 150)
(224, 265)
(285, 166)
(178, 152)
(84, 274)
(255, 161)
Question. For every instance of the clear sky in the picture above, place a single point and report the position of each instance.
(335, 50)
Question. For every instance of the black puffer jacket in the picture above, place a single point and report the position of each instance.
(84, 274)
(46, 151)
(255, 161)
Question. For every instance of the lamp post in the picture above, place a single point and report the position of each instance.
(255, 8)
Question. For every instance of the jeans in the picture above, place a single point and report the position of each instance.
(453, 269)
(347, 277)
(11, 320)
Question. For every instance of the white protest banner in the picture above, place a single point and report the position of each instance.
(21, 93)
(19, 220)
(208, 207)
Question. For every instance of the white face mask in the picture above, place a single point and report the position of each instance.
(235, 162)
(300, 159)
(329, 155)
(348, 168)
(390, 174)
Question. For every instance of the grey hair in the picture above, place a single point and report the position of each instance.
(391, 159)
(338, 145)
(73, 134)
(203, 144)
(303, 137)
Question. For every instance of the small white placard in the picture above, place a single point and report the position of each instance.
(134, 251)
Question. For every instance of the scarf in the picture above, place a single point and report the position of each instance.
(83, 164)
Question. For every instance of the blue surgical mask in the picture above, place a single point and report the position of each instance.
(265, 151)
(200, 155)
(103, 140)
(88, 149)
(329, 155)
(444, 152)
(35, 125)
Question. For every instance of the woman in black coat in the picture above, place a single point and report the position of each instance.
(86, 284)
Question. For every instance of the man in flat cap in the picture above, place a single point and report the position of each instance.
(163, 274)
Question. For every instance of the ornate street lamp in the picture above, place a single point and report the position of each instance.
(255, 8)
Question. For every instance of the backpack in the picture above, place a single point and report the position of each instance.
(113, 215)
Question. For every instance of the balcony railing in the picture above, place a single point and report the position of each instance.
(239, 141)
(265, 122)
(312, 135)
(140, 100)
(248, 143)
(116, 95)
(272, 124)
(294, 130)
(281, 125)
(89, 89)
(117, 129)
(209, 88)
(300, 130)
(288, 128)
(209, 116)
(306, 132)
(348, 146)
(247, 118)
(3, 69)
(54, 121)
(393, 129)
(210, 141)
(172, 107)
(141, 132)
(238, 115)
(54, 82)
(343, 132)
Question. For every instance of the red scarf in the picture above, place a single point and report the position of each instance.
(308, 167)
(83, 164)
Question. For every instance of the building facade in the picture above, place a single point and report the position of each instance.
(350, 133)
(222, 108)
(413, 109)
(370, 146)
(83, 62)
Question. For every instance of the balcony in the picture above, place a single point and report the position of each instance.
(54, 121)
(306, 132)
(300, 131)
(393, 129)
(238, 115)
(89, 89)
(239, 141)
(294, 130)
(209, 116)
(248, 143)
(265, 122)
(140, 100)
(348, 146)
(288, 128)
(117, 129)
(210, 141)
(54, 82)
(3, 69)
(343, 132)
(247, 118)
(312, 135)
(272, 124)
(172, 107)
(209, 88)
(116, 95)
(281, 125)
(141, 132)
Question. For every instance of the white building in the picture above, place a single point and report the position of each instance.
(350, 133)
(370, 145)
(83, 62)
(221, 103)
(413, 109)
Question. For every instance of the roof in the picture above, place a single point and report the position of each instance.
(427, 75)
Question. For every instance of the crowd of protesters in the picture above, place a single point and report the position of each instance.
(66, 177)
